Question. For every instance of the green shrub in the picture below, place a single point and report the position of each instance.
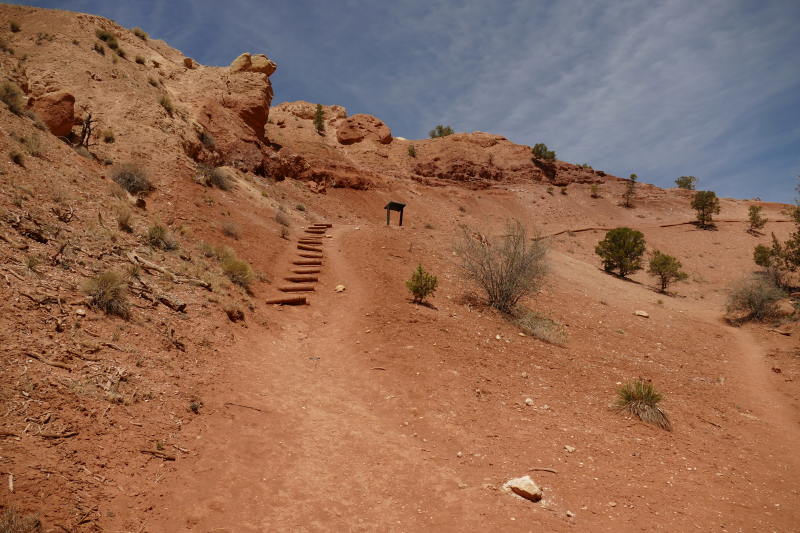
(587, 166)
(550, 190)
(540, 151)
(666, 268)
(640, 399)
(139, 59)
(140, 33)
(319, 119)
(14, 25)
(754, 298)
(166, 103)
(412, 151)
(541, 326)
(595, 190)
(622, 249)
(706, 204)
(108, 292)
(506, 268)
(440, 131)
(686, 182)
(132, 177)
(564, 191)
(757, 222)
(238, 270)
(11, 95)
(422, 284)
(159, 237)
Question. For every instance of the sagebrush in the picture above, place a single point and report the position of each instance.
(132, 177)
(754, 298)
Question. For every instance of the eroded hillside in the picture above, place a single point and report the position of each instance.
(207, 409)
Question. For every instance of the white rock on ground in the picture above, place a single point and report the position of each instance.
(525, 487)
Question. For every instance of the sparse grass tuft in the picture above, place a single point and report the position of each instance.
(195, 407)
(595, 190)
(32, 143)
(140, 33)
(208, 140)
(30, 266)
(564, 191)
(234, 312)
(541, 326)
(121, 53)
(12, 522)
(140, 60)
(17, 156)
(282, 218)
(14, 25)
(124, 218)
(11, 95)
(284, 232)
(300, 207)
(641, 399)
(152, 81)
(214, 177)
(107, 136)
(462, 208)
(231, 229)
(100, 49)
(83, 152)
(166, 103)
(160, 237)
(108, 292)
(132, 177)
(238, 270)
(107, 37)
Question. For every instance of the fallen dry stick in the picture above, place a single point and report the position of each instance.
(58, 435)
(541, 469)
(48, 362)
(162, 455)
(787, 333)
(245, 406)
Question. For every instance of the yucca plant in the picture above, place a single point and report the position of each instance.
(640, 399)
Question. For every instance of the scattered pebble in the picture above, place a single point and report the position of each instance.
(569, 449)
(463, 486)
(459, 454)
(529, 402)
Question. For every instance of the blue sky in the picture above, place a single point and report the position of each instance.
(657, 88)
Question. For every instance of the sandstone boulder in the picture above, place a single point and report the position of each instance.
(57, 111)
(360, 127)
(307, 111)
(257, 63)
(525, 487)
(260, 63)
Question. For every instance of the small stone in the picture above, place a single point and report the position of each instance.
(463, 486)
(459, 454)
(569, 449)
(525, 487)
(521, 334)
(612, 504)
(641, 314)
(489, 486)
(528, 402)
(339, 288)
(497, 337)
(80, 312)
(525, 375)
(570, 514)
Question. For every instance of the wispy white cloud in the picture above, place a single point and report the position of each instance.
(659, 88)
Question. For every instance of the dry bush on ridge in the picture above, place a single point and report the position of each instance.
(641, 399)
(108, 292)
(506, 268)
(140, 33)
(238, 270)
(132, 177)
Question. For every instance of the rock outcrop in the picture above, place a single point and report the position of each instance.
(253, 63)
(361, 127)
(307, 111)
(57, 111)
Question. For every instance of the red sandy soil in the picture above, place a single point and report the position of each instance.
(363, 411)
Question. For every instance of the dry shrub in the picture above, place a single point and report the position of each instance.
(231, 229)
(117, 191)
(506, 268)
(159, 237)
(37, 122)
(166, 103)
(107, 136)
(32, 143)
(284, 232)
(234, 312)
(11, 95)
(139, 59)
(14, 26)
(238, 270)
(641, 399)
(108, 292)
(283, 218)
(541, 326)
(12, 522)
(754, 298)
(208, 140)
(58, 193)
(140, 33)
(17, 156)
(214, 177)
(100, 49)
(132, 177)
(124, 218)
(83, 152)
(30, 266)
